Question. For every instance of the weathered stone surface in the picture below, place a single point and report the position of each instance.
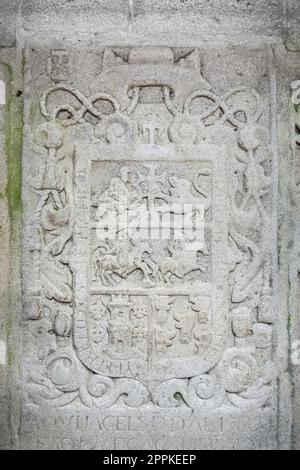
(292, 25)
(149, 326)
(77, 17)
(10, 223)
(211, 18)
(158, 110)
(8, 16)
(4, 253)
(114, 22)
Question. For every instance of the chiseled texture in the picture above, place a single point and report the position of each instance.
(146, 20)
(151, 339)
(8, 16)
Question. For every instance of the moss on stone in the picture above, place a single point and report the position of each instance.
(13, 143)
(10, 357)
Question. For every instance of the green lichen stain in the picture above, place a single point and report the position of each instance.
(13, 129)
(13, 189)
(10, 358)
(10, 352)
(14, 141)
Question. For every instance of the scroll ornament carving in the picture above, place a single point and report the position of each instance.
(235, 381)
(239, 379)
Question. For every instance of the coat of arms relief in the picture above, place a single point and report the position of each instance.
(151, 253)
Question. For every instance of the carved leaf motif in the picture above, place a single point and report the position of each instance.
(247, 267)
(43, 392)
(56, 280)
(170, 393)
(204, 391)
(102, 392)
(239, 370)
(257, 395)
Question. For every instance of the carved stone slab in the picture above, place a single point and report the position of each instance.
(139, 330)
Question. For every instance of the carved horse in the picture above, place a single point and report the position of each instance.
(122, 261)
(180, 263)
